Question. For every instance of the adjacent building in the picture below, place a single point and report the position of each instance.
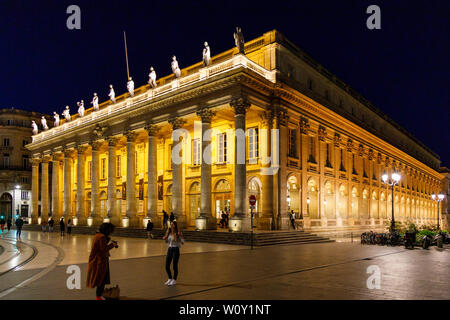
(312, 146)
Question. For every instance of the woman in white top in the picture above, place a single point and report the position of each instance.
(175, 239)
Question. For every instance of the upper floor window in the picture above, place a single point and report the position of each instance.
(312, 150)
(253, 144)
(24, 195)
(136, 162)
(6, 142)
(24, 143)
(6, 160)
(118, 167)
(310, 84)
(197, 151)
(25, 180)
(221, 148)
(103, 168)
(326, 95)
(89, 171)
(342, 167)
(328, 160)
(293, 143)
(25, 161)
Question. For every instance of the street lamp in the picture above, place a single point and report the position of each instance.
(307, 203)
(438, 198)
(392, 181)
(289, 202)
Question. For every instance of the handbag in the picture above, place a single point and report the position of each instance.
(112, 293)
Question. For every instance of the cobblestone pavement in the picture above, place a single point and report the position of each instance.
(215, 271)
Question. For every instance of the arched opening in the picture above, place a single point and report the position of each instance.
(383, 205)
(293, 198)
(374, 206)
(342, 202)
(402, 209)
(168, 199)
(312, 199)
(254, 188)
(222, 198)
(6, 205)
(355, 211)
(389, 206)
(328, 202)
(194, 202)
(103, 200)
(408, 209)
(365, 205)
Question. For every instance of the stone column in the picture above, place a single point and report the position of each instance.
(206, 220)
(266, 221)
(177, 177)
(152, 183)
(81, 162)
(95, 185)
(322, 156)
(55, 187)
(131, 179)
(67, 204)
(44, 189)
(304, 128)
(35, 189)
(240, 221)
(349, 168)
(112, 214)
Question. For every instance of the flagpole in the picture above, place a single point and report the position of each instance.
(126, 54)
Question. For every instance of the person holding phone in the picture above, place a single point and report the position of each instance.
(175, 239)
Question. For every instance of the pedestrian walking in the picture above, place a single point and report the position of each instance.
(98, 267)
(9, 223)
(165, 219)
(223, 219)
(292, 217)
(69, 226)
(19, 224)
(62, 226)
(172, 217)
(227, 218)
(51, 222)
(2, 223)
(175, 239)
(149, 229)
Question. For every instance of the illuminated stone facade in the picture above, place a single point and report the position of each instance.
(333, 148)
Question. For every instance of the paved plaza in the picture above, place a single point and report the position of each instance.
(217, 271)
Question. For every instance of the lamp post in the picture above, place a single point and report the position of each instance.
(289, 202)
(392, 181)
(438, 198)
(307, 205)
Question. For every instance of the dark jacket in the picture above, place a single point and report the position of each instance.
(19, 223)
(51, 222)
(172, 217)
(165, 217)
(149, 226)
(9, 223)
(62, 225)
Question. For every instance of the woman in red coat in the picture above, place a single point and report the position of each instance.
(98, 267)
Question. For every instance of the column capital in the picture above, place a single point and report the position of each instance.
(281, 116)
(304, 125)
(35, 161)
(112, 141)
(99, 132)
(337, 139)
(68, 153)
(177, 123)
(206, 114)
(95, 145)
(361, 151)
(131, 135)
(379, 158)
(350, 145)
(81, 149)
(151, 129)
(240, 104)
(371, 155)
(322, 133)
(267, 117)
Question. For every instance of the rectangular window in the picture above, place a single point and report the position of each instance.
(328, 160)
(253, 144)
(342, 167)
(6, 142)
(197, 151)
(312, 150)
(24, 143)
(136, 162)
(118, 167)
(170, 158)
(25, 161)
(221, 148)
(6, 160)
(89, 170)
(103, 168)
(293, 143)
(24, 195)
(24, 179)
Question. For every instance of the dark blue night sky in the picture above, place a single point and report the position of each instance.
(403, 69)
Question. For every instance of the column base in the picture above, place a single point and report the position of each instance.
(181, 222)
(323, 222)
(115, 220)
(339, 222)
(264, 223)
(285, 224)
(239, 224)
(133, 222)
(80, 221)
(351, 221)
(372, 221)
(205, 223)
(307, 222)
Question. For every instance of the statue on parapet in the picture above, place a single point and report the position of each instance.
(130, 86)
(66, 113)
(239, 40)
(35, 127)
(94, 102)
(152, 77)
(206, 55)
(44, 123)
(81, 108)
(112, 94)
(56, 117)
(175, 69)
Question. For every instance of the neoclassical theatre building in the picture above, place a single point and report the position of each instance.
(333, 147)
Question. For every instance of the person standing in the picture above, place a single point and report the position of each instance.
(19, 224)
(62, 226)
(51, 222)
(2, 223)
(175, 239)
(149, 229)
(9, 223)
(44, 226)
(69, 226)
(98, 266)
(172, 217)
(292, 217)
(165, 219)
